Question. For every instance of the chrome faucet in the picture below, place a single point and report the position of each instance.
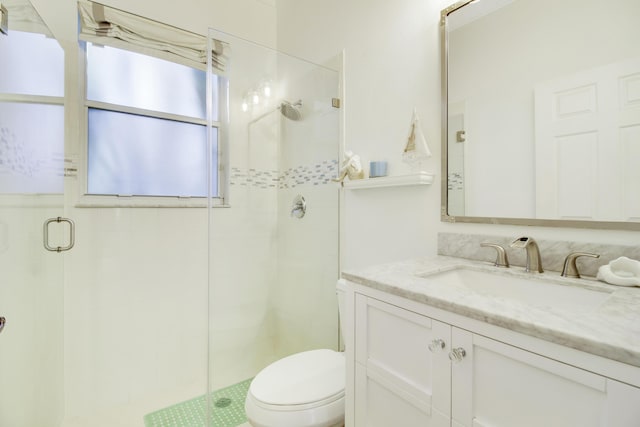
(534, 262)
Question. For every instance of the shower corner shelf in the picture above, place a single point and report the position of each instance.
(420, 178)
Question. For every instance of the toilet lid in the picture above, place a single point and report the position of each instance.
(300, 379)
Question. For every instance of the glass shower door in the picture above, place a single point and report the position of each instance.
(273, 265)
(31, 192)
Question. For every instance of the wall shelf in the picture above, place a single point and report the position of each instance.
(420, 178)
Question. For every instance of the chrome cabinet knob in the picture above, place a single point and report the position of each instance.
(437, 344)
(457, 354)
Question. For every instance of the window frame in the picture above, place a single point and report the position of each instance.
(88, 200)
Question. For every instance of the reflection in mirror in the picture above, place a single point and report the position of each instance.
(543, 112)
(31, 89)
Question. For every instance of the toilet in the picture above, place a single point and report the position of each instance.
(302, 390)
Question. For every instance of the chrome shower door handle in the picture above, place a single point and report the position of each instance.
(72, 234)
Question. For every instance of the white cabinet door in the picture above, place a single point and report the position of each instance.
(497, 385)
(400, 382)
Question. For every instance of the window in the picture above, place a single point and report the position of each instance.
(148, 133)
(31, 157)
(146, 126)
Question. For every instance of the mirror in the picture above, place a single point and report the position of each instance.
(541, 113)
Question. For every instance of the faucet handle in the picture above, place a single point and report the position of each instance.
(501, 254)
(570, 268)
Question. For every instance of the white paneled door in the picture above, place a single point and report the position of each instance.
(587, 137)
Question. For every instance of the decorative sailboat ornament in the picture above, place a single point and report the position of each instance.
(416, 150)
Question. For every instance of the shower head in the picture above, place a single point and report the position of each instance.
(286, 108)
(291, 111)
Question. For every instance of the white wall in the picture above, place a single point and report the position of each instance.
(392, 64)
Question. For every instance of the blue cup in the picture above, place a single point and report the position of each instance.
(377, 169)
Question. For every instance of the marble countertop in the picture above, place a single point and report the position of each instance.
(611, 329)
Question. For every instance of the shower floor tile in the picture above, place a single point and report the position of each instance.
(227, 407)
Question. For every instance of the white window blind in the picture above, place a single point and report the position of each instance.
(108, 26)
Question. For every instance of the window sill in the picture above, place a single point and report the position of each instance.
(95, 201)
(32, 200)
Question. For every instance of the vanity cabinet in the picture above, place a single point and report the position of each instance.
(413, 370)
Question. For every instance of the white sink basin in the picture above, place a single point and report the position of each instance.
(536, 290)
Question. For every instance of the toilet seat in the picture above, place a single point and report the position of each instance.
(307, 378)
(299, 390)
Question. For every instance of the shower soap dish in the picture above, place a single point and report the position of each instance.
(622, 272)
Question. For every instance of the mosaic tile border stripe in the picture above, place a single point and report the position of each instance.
(317, 174)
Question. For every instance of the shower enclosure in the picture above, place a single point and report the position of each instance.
(155, 306)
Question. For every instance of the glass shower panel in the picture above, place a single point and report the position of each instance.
(31, 187)
(136, 291)
(272, 286)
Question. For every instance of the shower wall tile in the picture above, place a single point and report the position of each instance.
(305, 304)
(138, 285)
